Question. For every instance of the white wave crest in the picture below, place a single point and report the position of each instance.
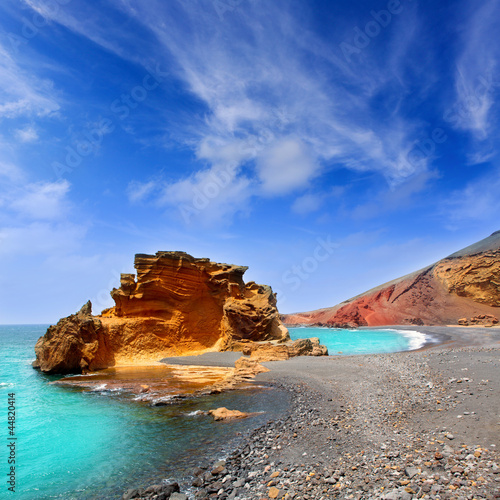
(101, 387)
(416, 339)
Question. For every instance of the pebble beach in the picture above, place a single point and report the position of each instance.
(419, 424)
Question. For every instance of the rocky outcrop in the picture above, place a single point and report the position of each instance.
(176, 305)
(268, 351)
(465, 284)
(481, 320)
(476, 277)
(74, 344)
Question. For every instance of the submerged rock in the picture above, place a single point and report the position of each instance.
(177, 305)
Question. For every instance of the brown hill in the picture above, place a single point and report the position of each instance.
(464, 285)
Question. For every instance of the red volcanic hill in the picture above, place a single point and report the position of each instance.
(463, 288)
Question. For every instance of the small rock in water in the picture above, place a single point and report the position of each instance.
(131, 493)
(219, 469)
(198, 471)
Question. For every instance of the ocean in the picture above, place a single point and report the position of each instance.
(75, 444)
(69, 443)
(363, 341)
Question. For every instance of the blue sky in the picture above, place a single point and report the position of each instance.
(329, 146)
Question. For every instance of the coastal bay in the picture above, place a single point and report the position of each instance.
(419, 424)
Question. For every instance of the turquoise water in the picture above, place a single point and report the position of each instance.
(364, 341)
(73, 444)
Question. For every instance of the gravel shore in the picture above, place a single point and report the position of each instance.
(421, 424)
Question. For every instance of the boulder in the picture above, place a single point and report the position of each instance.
(225, 414)
(248, 367)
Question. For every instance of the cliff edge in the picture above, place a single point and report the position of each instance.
(463, 288)
(176, 305)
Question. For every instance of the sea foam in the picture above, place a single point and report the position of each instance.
(417, 340)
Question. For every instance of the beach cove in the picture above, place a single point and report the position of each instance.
(418, 424)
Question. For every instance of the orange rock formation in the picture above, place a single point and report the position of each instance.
(177, 305)
(465, 284)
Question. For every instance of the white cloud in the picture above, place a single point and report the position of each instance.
(477, 68)
(306, 204)
(27, 134)
(43, 200)
(10, 172)
(478, 157)
(265, 77)
(285, 166)
(208, 195)
(139, 191)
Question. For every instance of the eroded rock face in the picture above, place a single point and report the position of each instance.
(74, 344)
(268, 351)
(476, 277)
(177, 305)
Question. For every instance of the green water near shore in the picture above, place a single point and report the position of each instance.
(363, 341)
(74, 444)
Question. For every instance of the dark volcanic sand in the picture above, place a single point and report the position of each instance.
(421, 424)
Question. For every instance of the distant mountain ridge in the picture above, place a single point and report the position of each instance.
(466, 284)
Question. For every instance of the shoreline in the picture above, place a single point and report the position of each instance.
(412, 424)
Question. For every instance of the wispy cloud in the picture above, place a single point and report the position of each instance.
(35, 216)
(27, 134)
(477, 69)
(21, 93)
(307, 204)
(273, 90)
(39, 201)
(10, 172)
